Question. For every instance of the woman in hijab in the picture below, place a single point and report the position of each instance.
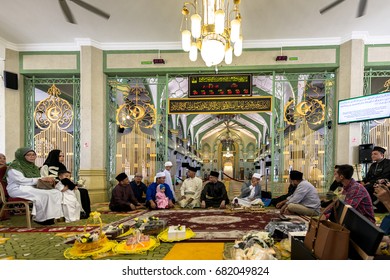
(22, 176)
(55, 163)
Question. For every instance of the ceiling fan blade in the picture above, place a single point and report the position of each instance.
(67, 13)
(330, 6)
(362, 8)
(91, 8)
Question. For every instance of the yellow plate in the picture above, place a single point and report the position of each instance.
(163, 236)
(139, 248)
(75, 253)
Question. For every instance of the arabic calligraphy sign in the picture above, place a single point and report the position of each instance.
(219, 105)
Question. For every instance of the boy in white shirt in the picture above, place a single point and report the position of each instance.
(71, 206)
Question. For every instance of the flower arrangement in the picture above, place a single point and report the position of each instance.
(152, 225)
(114, 231)
(141, 223)
(88, 237)
(179, 227)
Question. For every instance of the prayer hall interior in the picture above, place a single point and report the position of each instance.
(115, 92)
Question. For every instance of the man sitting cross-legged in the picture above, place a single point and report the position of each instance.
(214, 193)
(191, 189)
(123, 198)
(250, 193)
(304, 200)
(152, 191)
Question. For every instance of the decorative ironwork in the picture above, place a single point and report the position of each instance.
(55, 136)
(133, 149)
(217, 106)
(137, 109)
(313, 111)
(374, 131)
(304, 136)
(53, 110)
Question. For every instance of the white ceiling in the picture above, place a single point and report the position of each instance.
(155, 24)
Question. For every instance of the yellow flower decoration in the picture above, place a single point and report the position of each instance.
(136, 219)
(87, 234)
(145, 220)
(120, 226)
(84, 240)
(95, 215)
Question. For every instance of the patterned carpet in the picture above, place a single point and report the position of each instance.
(216, 225)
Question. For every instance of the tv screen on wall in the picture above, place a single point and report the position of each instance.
(364, 108)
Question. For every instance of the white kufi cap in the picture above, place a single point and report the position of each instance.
(160, 174)
(256, 175)
(168, 163)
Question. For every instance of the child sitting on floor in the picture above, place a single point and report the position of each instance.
(161, 198)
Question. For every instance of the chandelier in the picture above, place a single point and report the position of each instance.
(212, 32)
(227, 153)
(227, 144)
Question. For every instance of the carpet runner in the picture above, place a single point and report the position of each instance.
(215, 225)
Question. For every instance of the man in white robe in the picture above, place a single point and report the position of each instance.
(190, 190)
(168, 177)
(250, 193)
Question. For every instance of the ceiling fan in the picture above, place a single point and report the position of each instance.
(361, 8)
(69, 16)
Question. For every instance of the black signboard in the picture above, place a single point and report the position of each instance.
(219, 85)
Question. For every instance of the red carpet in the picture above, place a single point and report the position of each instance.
(122, 217)
(216, 225)
(47, 229)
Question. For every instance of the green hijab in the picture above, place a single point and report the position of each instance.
(29, 169)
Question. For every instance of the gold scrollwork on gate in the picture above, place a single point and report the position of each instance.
(53, 110)
(312, 110)
(137, 109)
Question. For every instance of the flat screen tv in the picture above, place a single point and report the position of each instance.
(364, 108)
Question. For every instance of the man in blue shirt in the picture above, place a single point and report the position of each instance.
(152, 190)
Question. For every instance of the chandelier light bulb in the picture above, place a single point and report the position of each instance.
(235, 29)
(219, 21)
(193, 52)
(186, 40)
(229, 55)
(238, 47)
(196, 25)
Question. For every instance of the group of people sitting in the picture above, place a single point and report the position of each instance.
(127, 196)
(23, 179)
(49, 187)
(301, 199)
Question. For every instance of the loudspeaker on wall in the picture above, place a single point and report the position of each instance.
(365, 151)
(11, 80)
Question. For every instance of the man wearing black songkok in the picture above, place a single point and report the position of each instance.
(122, 198)
(379, 169)
(214, 193)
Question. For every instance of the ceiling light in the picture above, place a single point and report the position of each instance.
(213, 32)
